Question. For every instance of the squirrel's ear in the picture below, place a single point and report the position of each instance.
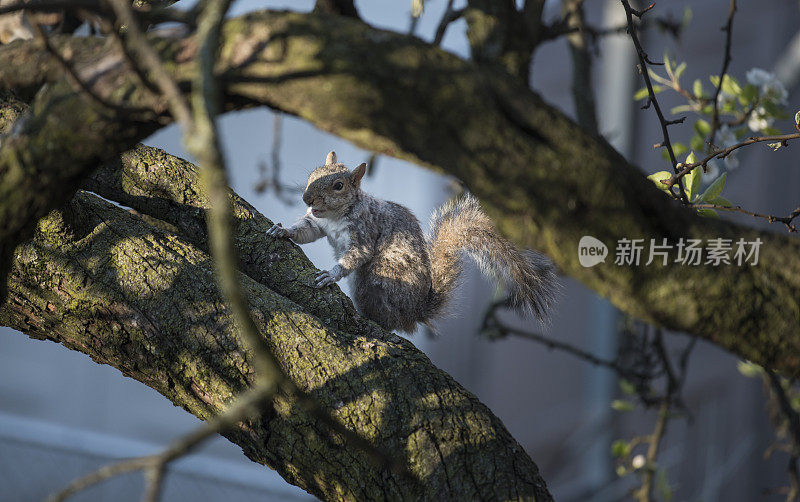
(331, 158)
(358, 173)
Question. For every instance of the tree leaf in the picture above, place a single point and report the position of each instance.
(657, 177)
(697, 88)
(702, 127)
(620, 448)
(622, 405)
(715, 188)
(679, 70)
(641, 94)
(720, 201)
(709, 213)
(697, 142)
(749, 94)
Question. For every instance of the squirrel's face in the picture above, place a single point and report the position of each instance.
(332, 188)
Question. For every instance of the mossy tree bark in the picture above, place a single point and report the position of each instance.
(545, 180)
(138, 293)
(131, 293)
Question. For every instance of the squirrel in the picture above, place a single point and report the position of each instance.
(399, 276)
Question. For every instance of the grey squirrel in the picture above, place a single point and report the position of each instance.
(400, 277)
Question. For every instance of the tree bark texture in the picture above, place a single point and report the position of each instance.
(132, 294)
(543, 178)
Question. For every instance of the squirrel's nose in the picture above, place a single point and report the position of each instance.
(307, 198)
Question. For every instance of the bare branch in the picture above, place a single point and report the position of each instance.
(728, 29)
(146, 56)
(685, 169)
(643, 62)
(235, 413)
(450, 15)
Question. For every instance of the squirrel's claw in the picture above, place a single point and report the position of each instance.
(277, 231)
(324, 278)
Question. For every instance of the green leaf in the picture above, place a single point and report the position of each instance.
(697, 142)
(774, 110)
(679, 70)
(771, 131)
(749, 94)
(627, 387)
(621, 405)
(708, 213)
(641, 94)
(657, 177)
(749, 369)
(731, 86)
(679, 149)
(715, 188)
(702, 127)
(668, 65)
(680, 109)
(658, 78)
(775, 146)
(697, 88)
(663, 487)
(720, 201)
(693, 185)
(687, 17)
(620, 448)
(797, 118)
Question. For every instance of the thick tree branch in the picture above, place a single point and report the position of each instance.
(545, 180)
(500, 35)
(340, 7)
(102, 281)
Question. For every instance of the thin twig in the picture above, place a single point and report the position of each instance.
(786, 220)
(728, 29)
(203, 141)
(137, 42)
(491, 323)
(645, 492)
(643, 61)
(450, 15)
(685, 169)
(78, 82)
(232, 415)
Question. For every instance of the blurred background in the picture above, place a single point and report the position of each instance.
(62, 415)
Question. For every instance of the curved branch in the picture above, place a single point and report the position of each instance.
(545, 180)
(104, 282)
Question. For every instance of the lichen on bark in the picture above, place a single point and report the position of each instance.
(102, 281)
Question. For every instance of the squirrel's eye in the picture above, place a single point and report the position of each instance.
(338, 186)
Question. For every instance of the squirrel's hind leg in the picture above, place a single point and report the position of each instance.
(392, 302)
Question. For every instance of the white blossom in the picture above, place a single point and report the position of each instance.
(638, 461)
(725, 138)
(776, 91)
(759, 77)
(725, 98)
(759, 120)
(712, 171)
(768, 85)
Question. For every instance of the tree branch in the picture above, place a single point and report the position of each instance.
(102, 281)
(543, 178)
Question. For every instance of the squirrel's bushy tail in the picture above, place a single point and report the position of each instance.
(461, 225)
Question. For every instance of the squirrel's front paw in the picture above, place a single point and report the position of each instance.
(279, 232)
(327, 277)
